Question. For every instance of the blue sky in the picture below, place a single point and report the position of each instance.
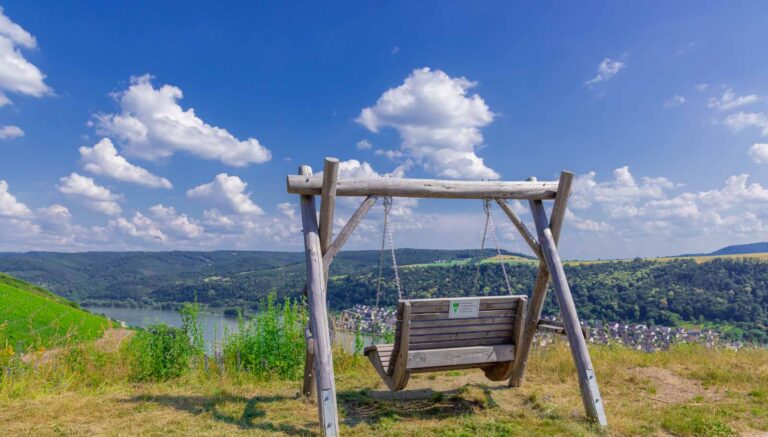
(159, 127)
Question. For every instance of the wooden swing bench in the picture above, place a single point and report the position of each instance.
(494, 334)
(428, 339)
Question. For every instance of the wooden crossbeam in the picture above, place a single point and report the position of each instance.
(425, 188)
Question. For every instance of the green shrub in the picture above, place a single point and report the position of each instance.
(271, 344)
(161, 352)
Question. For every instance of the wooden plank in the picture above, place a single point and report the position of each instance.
(415, 303)
(447, 368)
(470, 328)
(463, 322)
(518, 222)
(326, 386)
(590, 392)
(443, 308)
(443, 316)
(461, 343)
(328, 201)
(460, 335)
(539, 293)
(400, 373)
(460, 356)
(426, 188)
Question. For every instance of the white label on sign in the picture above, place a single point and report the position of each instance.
(463, 309)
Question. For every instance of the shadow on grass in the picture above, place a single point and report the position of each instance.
(371, 406)
(214, 404)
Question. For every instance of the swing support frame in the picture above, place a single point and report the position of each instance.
(321, 248)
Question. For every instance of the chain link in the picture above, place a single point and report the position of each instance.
(487, 208)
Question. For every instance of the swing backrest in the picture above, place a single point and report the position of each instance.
(459, 332)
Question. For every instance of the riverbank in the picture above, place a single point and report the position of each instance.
(688, 390)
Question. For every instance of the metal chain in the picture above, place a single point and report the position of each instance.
(388, 228)
(487, 204)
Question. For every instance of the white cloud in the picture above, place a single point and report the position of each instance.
(743, 120)
(228, 192)
(287, 209)
(649, 217)
(673, 101)
(103, 159)
(438, 122)
(759, 153)
(622, 189)
(94, 196)
(55, 214)
(729, 100)
(364, 145)
(17, 75)
(10, 206)
(152, 125)
(175, 223)
(10, 132)
(606, 70)
(139, 227)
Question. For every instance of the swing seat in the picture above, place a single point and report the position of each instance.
(433, 335)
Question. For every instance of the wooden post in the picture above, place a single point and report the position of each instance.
(539, 294)
(326, 386)
(328, 201)
(590, 392)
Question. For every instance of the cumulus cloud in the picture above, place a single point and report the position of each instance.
(175, 223)
(364, 145)
(743, 120)
(287, 209)
(10, 206)
(759, 153)
(10, 132)
(139, 227)
(650, 214)
(151, 125)
(624, 188)
(606, 70)
(17, 75)
(673, 101)
(228, 192)
(103, 159)
(94, 196)
(729, 100)
(438, 121)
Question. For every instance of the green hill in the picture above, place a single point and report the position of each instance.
(31, 318)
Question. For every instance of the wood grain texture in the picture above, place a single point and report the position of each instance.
(319, 318)
(460, 356)
(539, 293)
(590, 392)
(328, 201)
(426, 188)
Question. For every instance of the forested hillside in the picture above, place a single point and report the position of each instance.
(732, 293)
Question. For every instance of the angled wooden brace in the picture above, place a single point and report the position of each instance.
(539, 294)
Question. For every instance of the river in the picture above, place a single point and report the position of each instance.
(213, 321)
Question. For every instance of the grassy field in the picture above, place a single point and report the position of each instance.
(687, 391)
(511, 259)
(698, 259)
(33, 318)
